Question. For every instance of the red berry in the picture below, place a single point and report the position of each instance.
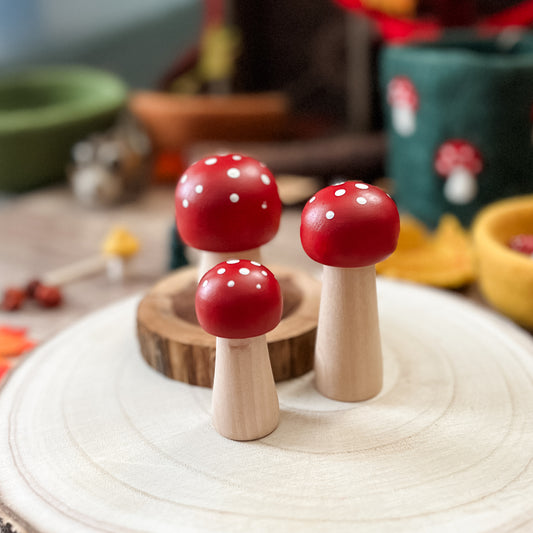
(31, 288)
(13, 299)
(522, 243)
(48, 296)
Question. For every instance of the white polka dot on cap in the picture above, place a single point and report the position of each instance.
(211, 161)
(233, 173)
(234, 197)
(330, 215)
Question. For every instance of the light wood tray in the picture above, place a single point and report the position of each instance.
(172, 341)
(92, 439)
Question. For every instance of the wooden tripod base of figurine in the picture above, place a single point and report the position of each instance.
(173, 343)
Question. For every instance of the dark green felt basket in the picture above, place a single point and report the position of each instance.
(477, 90)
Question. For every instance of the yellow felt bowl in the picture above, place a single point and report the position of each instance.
(506, 276)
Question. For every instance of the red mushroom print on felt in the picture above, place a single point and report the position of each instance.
(402, 97)
(239, 301)
(349, 228)
(227, 206)
(459, 163)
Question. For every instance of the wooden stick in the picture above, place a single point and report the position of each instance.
(245, 402)
(79, 270)
(210, 259)
(348, 360)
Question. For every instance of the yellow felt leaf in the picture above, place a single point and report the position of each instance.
(443, 259)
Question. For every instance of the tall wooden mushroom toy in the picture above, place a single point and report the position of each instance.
(348, 228)
(239, 301)
(459, 163)
(227, 206)
(402, 97)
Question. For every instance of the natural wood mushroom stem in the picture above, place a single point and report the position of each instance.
(348, 359)
(245, 403)
(208, 260)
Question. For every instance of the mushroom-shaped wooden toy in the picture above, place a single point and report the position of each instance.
(349, 228)
(459, 163)
(227, 206)
(239, 301)
(403, 99)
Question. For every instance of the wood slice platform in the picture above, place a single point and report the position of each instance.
(173, 343)
(92, 439)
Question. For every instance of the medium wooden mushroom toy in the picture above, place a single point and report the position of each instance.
(459, 163)
(348, 228)
(227, 206)
(239, 301)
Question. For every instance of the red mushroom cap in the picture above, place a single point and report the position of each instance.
(238, 299)
(457, 153)
(227, 203)
(350, 225)
(401, 91)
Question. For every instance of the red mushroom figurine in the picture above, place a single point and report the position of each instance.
(403, 99)
(239, 301)
(348, 228)
(227, 206)
(459, 162)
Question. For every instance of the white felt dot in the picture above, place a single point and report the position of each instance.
(255, 263)
(205, 283)
(312, 199)
(330, 215)
(221, 271)
(211, 161)
(236, 157)
(340, 192)
(231, 283)
(199, 188)
(361, 200)
(233, 173)
(185, 203)
(183, 178)
(258, 286)
(264, 272)
(233, 261)
(244, 271)
(361, 185)
(265, 179)
(264, 205)
(234, 197)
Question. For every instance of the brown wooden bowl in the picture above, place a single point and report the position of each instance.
(173, 343)
(174, 121)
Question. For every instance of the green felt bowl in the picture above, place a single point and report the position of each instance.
(43, 112)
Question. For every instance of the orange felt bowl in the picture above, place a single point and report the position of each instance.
(506, 276)
(174, 120)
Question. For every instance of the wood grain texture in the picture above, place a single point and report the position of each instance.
(92, 439)
(348, 361)
(245, 403)
(173, 343)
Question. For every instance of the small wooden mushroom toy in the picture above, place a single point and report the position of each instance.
(348, 228)
(239, 301)
(227, 206)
